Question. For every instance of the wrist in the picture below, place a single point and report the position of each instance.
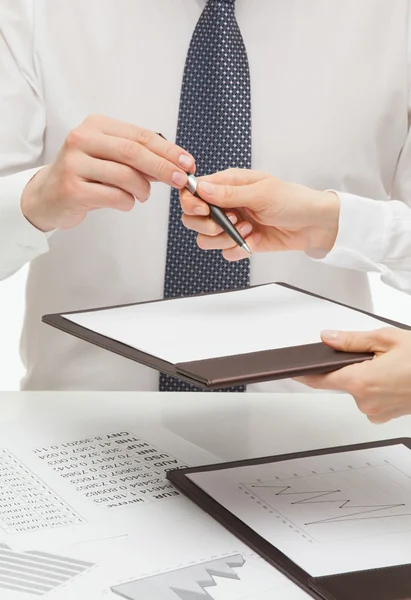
(31, 204)
(324, 230)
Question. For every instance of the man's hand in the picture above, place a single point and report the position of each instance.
(381, 387)
(271, 214)
(104, 163)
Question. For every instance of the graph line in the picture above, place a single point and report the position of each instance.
(317, 497)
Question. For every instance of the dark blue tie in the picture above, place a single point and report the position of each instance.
(214, 125)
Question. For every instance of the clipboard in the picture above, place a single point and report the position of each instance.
(227, 371)
(388, 583)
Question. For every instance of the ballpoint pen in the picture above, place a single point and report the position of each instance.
(219, 216)
(216, 213)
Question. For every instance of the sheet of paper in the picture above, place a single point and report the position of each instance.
(92, 516)
(260, 318)
(329, 514)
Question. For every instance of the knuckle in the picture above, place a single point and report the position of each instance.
(350, 339)
(68, 165)
(229, 192)
(369, 407)
(186, 201)
(363, 405)
(144, 136)
(358, 387)
(127, 175)
(116, 199)
(69, 188)
(127, 203)
(312, 382)
(145, 192)
(74, 139)
(162, 170)
(202, 242)
(129, 151)
(94, 121)
(185, 206)
(212, 228)
(186, 221)
(169, 152)
(390, 334)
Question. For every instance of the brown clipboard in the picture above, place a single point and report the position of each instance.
(227, 371)
(390, 583)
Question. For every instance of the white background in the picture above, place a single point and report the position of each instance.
(387, 302)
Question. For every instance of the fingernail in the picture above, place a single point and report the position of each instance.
(246, 229)
(185, 161)
(329, 335)
(233, 219)
(179, 178)
(200, 210)
(207, 187)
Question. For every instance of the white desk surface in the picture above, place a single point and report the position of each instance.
(230, 426)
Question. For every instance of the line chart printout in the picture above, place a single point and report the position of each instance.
(329, 514)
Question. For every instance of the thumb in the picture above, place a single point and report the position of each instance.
(358, 341)
(226, 196)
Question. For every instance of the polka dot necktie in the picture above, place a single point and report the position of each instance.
(214, 125)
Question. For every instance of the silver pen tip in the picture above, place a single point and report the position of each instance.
(246, 248)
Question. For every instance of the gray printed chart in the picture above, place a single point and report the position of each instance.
(188, 583)
(36, 573)
(26, 502)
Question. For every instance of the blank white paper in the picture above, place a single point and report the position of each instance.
(260, 318)
(336, 513)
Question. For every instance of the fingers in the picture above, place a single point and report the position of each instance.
(206, 226)
(193, 206)
(89, 138)
(355, 341)
(360, 385)
(228, 196)
(97, 195)
(330, 381)
(223, 241)
(352, 379)
(384, 417)
(115, 174)
(236, 253)
(134, 155)
(235, 177)
(145, 137)
(212, 237)
(222, 195)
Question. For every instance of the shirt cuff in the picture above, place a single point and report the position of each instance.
(20, 241)
(362, 233)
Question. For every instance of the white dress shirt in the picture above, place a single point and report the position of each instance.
(330, 101)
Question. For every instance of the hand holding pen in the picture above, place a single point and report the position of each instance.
(217, 214)
(271, 214)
